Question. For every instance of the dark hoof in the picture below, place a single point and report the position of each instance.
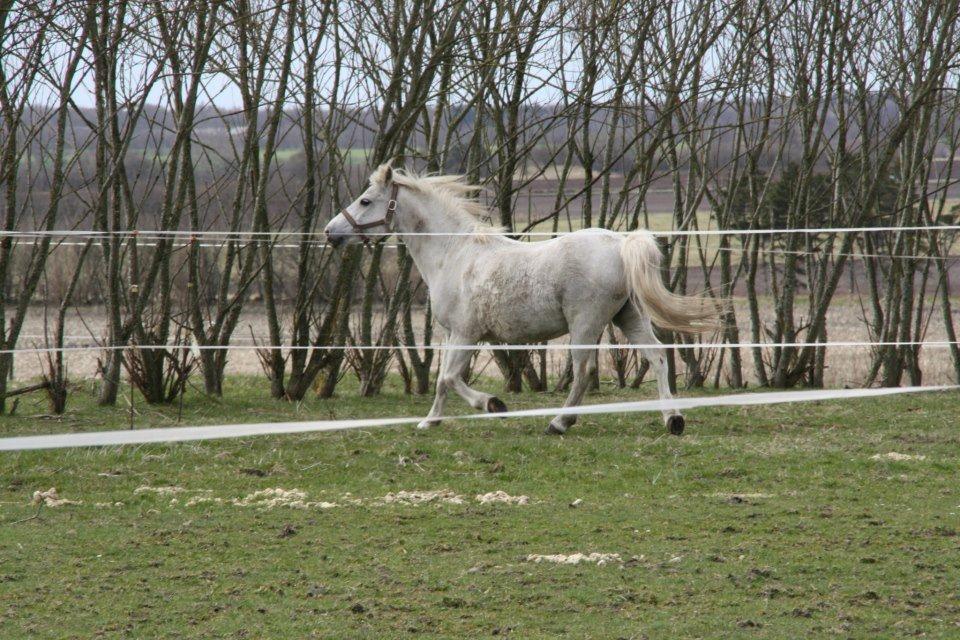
(554, 430)
(675, 425)
(495, 405)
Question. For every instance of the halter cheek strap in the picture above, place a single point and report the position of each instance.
(386, 221)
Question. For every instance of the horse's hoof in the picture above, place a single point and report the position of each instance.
(554, 429)
(675, 425)
(495, 405)
(423, 425)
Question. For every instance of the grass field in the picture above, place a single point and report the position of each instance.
(763, 522)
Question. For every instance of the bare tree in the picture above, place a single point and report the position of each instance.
(30, 66)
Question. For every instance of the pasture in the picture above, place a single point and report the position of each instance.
(809, 520)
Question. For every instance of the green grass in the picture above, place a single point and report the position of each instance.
(659, 221)
(356, 155)
(761, 522)
(286, 154)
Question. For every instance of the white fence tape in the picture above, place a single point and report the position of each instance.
(485, 347)
(320, 244)
(176, 233)
(216, 432)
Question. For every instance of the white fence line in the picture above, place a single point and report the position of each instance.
(217, 432)
(321, 244)
(487, 347)
(176, 233)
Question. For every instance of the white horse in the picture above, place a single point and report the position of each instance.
(487, 287)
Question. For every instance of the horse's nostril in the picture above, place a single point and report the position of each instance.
(334, 240)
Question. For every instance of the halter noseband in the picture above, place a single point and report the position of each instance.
(385, 221)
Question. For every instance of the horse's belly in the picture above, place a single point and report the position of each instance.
(525, 327)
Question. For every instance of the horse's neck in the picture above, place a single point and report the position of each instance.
(432, 253)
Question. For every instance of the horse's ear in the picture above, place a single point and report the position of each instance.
(382, 175)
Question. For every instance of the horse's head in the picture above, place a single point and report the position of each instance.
(372, 213)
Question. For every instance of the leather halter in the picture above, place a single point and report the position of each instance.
(387, 219)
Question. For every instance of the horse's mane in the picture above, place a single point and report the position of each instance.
(453, 191)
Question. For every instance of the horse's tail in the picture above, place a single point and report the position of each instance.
(641, 264)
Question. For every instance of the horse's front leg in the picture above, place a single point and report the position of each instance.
(455, 361)
(439, 399)
(584, 366)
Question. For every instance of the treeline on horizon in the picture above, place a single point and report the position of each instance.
(741, 116)
(214, 126)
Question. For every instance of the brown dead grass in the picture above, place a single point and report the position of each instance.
(846, 366)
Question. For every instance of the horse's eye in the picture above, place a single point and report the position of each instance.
(364, 202)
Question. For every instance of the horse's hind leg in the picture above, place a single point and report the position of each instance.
(639, 330)
(454, 363)
(584, 365)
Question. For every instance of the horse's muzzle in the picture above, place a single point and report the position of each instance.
(335, 239)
